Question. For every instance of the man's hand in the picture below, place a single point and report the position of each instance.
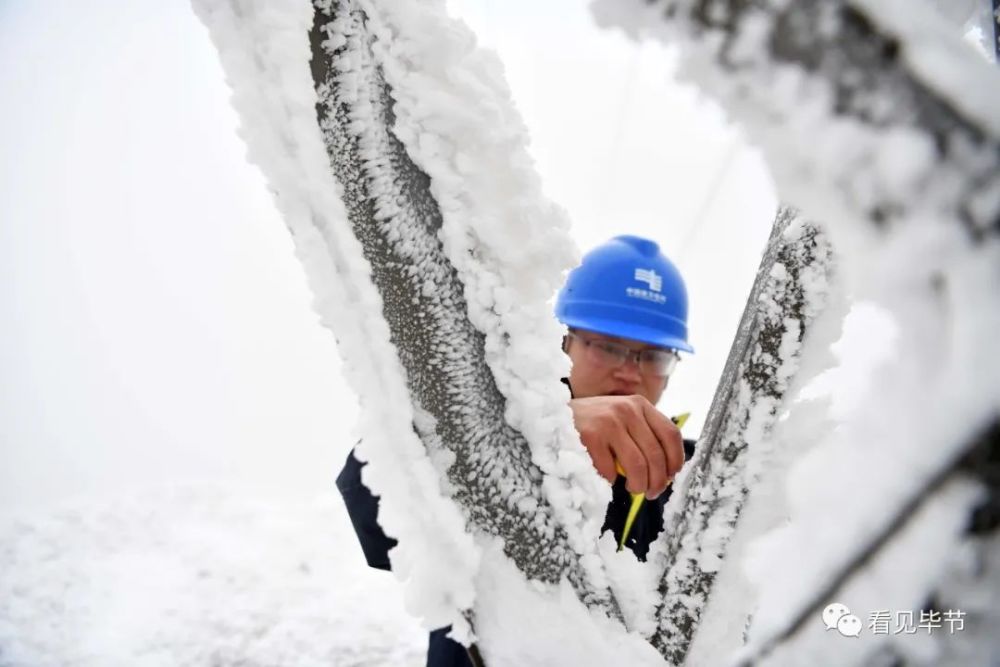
(630, 430)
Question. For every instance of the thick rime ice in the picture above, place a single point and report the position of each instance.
(788, 294)
(432, 254)
(265, 53)
(892, 144)
(436, 314)
(937, 59)
(727, 613)
(934, 533)
(520, 623)
(509, 245)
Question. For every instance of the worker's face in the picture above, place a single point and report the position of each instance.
(593, 375)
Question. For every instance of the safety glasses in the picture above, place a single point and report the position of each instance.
(653, 361)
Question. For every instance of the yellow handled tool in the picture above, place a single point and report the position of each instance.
(638, 498)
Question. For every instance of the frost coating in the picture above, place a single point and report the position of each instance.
(395, 215)
(520, 624)
(699, 521)
(885, 584)
(845, 125)
(265, 55)
(891, 141)
(936, 58)
(508, 244)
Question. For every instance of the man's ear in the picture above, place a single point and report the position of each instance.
(565, 344)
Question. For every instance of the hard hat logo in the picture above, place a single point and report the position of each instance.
(637, 293)
(651, 278)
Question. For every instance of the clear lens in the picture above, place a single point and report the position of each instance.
(657, 362)
(651, 362)
(609, 353)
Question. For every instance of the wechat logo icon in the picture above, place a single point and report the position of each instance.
(838, 617)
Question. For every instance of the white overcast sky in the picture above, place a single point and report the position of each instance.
(154, 323)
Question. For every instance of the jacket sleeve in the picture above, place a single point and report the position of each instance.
(688, 449)
(362, 507)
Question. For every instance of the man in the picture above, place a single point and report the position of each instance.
(625, 308)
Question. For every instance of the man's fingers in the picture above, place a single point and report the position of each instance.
(605, 464)
(669, 437)
(656, 459)
(646, 444)
(632, 460)
(600, 455)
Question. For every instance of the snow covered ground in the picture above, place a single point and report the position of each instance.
(197, 575)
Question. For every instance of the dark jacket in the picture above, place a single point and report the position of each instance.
(362, 507)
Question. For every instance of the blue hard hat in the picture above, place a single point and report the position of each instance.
(629, 289)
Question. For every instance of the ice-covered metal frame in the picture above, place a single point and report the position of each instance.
(789, 292)
(397, 220)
